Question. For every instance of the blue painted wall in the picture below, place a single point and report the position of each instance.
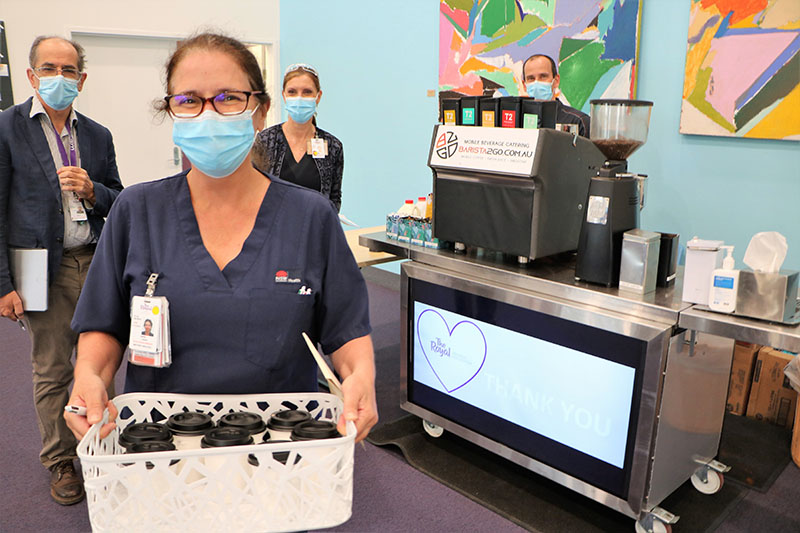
(377, 61)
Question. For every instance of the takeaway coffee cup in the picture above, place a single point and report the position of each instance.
(316, 459)
(315, 430)
(282, 422)
(252, 422)
(188, 429)
(144, 432)
(144, 485)
(229, 469)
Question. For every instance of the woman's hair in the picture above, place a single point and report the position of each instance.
(220, 43)
(300, 71)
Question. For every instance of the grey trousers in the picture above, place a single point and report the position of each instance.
(53, 343)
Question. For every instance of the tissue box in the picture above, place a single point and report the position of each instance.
(768, 296)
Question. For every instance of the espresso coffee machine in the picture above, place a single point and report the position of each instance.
(618, 128)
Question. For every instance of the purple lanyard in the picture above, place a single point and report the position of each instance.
(72, 160)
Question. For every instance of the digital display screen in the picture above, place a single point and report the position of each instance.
(558, 391)
(723, 282)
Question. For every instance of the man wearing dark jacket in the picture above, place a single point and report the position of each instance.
(58, 179)
(541, 78)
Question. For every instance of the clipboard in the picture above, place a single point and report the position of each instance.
(29, 271)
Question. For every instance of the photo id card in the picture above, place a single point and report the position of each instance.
(149, 339)
(77, 213)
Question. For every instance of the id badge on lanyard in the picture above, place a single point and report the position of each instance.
(77, 212)
(149, 339)
(318, 148)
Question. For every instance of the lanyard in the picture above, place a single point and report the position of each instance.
(72, 160)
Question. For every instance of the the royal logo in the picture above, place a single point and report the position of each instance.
(446, 144)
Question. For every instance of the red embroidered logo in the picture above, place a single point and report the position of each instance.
(281, 276)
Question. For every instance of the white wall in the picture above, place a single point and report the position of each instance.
(256, 21)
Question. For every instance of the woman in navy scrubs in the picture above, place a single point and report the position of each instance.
(283, 148)
(246, 261)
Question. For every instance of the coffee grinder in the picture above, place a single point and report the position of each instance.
(618, 128)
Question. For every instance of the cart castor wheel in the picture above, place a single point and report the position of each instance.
(432, 429)
(658, 520)
(707, 481)
(656, 526)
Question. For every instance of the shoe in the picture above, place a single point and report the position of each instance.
(66, 487)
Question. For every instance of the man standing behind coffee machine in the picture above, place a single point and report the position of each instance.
(58, 179)
(540, 75)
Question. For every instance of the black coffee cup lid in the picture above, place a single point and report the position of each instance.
(151, 446)
(226, 436)
(315, 429)
(287, 419)
(143, 432)
(252, 422)
(190, 423)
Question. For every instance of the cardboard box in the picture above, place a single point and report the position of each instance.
(744, 361)
(772, 397)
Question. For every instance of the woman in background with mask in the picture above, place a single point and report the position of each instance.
(246, 263)
(297, 150)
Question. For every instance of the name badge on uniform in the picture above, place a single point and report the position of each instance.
(149, 339)
(319, 148)
(77, 213)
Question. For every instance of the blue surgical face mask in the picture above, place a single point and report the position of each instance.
(58, 92)
(215, 144)
(301, 109)
(540, 90)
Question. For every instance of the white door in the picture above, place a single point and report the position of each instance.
(125, 76)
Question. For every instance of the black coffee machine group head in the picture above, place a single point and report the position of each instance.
(618, 128)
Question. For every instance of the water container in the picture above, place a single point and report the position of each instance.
(419, 208)
(407, 209)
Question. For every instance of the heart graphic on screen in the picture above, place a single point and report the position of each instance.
(456, 355)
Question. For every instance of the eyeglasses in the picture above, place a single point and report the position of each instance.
(301, 66)
(68, 72)
(227, 103)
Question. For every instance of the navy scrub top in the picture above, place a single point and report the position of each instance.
(235, 331)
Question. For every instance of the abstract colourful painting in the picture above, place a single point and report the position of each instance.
(483, 44)
(743, 69)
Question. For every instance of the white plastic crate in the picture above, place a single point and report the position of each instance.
(218, 489)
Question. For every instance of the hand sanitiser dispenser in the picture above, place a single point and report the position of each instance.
(724, 285)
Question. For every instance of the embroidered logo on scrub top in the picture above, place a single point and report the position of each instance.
(305, 291)
(281, 276)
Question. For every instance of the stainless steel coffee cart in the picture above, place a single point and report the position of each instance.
(679, 405)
